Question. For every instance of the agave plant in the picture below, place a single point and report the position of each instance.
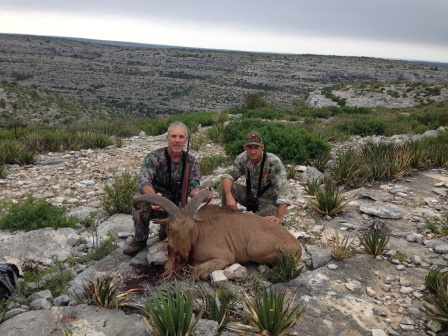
(170, 312)
(374, 240)
(217, 304)
(341, 249)
(436, 277)
(267, 314)
(286, 268)
(438, 305)
(104, 292)
(329, 199)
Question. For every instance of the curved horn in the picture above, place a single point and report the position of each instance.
(171, 209)
(193, 205)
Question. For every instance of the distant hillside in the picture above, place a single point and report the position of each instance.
(137, 80)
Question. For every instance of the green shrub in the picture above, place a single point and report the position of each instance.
(216, 132)
(55, 279)
(289, 142)
(118, 196)
(363, 126)
(157, 126)
(32, 214)
(209, 163)
(196, 142)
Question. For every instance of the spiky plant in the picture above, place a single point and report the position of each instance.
(286, 268)
(329, 199)
(104, 292)
(438, 304)
(436, 277)
(217, 304)
(374, 240)
(311, 186)
(170, 312)
(341, 249)
(268, 314)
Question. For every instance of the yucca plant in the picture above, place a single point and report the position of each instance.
(329, 199)
(170, 312)
(268, 314)
(286, 268)
(374, 240)
(350, 169)
(418, 153)
(3, 170)
(217, 304)
(197, 142)
(438, 154)
(321, 161)
(104, 292)
(311, 186)
(341, 248)
(436, 277)
(438, 304)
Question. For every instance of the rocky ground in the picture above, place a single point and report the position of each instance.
(360, 295)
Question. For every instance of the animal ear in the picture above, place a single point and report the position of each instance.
(193, 205)
(170, 208)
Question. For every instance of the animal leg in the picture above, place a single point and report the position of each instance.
(203, 270)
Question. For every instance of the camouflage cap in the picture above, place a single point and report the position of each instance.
(253, 138)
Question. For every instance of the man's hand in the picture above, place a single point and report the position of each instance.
(231, 203)
(274, 219)
(156, 207)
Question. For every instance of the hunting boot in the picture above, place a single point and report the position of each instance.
(133, 247)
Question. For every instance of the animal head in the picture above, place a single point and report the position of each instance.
(180, 222)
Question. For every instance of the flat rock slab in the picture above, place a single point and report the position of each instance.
(81, 320)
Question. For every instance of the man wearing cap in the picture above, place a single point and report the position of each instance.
(266, 192)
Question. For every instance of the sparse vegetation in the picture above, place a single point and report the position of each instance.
(117, 196)
(287, 268)
(32, 214)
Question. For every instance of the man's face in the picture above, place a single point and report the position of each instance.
(254, 152)
(177, 138)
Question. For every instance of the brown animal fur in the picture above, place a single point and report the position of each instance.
(215, 237)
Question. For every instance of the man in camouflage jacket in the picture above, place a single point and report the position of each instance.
(270, 198)
(161, 173)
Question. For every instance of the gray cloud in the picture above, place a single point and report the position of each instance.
(411, 21)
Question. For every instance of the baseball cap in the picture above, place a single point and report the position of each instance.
(253, 138)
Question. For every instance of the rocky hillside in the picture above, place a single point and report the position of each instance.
(149, 81)
(357, 296)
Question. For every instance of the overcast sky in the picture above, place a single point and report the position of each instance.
(404, 29)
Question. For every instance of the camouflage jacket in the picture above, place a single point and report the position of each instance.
(274, 173)
(154, 172)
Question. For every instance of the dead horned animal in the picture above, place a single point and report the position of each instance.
(213, 237)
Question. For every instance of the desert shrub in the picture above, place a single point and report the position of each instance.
(341, 248)
(374, 240)
(196, 142)
(118, 196)
(157, 126)
(216, 132)
(55, 279)
(292, 144)
(209, 163)
(363, 126)
(32, 214)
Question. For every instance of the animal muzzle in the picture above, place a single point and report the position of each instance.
(181, 259)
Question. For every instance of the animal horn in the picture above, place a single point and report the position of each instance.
(170, 208)
(193, 205)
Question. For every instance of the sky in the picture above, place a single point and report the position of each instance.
(395, 29)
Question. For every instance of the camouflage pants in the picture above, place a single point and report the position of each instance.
(240, 195)
(142, 217)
